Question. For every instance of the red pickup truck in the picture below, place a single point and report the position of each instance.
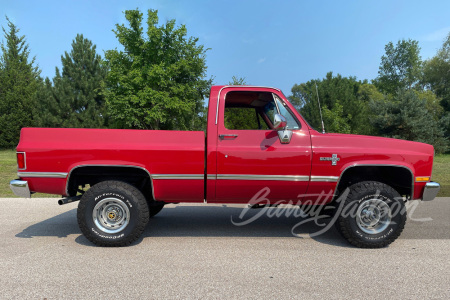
(126, 176)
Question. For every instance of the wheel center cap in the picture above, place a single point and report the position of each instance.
(112, 215)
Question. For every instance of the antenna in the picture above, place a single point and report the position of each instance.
(320, 109)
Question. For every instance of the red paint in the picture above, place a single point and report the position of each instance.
(252, 152)
(259, 152)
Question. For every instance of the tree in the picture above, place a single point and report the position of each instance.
(401, 67)
(437, 74)
(75, 99)
(406, 117)
(336, 122)
(431, 103)
(237, 117)
(341, 96)
(18, 85)
(237, 81)
(158, 80)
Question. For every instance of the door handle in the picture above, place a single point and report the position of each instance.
(227, 136)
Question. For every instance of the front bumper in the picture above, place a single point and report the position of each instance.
(20, 188)
(430, 191)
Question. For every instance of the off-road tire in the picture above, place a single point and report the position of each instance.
(358, 230)
(109, 199)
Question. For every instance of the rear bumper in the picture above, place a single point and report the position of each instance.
(20, 188)
(430, 191)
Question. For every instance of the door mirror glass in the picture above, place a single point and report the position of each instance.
(279, 122)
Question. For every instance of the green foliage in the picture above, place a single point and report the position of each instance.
(396, 105)
(341, 96)
(237, 81)
(444, 123)
(401, 67)
(240, 118)
(432, 104)
(437, 74)
(75, 99)
(336, 121)
(407, 117)
(422, 118)
(157, 82)
(367, 92)
(18, 85)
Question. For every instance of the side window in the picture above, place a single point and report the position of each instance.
(291, 121)
(246, 110)
(242, 118)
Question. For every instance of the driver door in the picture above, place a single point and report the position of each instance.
(251, 161)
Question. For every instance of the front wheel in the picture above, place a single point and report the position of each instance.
(372, 215)
(112, 213)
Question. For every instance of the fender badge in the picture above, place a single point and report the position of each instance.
(334, 159)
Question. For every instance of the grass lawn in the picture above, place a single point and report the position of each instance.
(8, 171)
(441, 173)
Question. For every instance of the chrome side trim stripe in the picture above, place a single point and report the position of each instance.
(178, 176)
(325, 178)
(42, 174)
(262, 177)
(246, 177)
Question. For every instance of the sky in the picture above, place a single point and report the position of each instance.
(269, 43)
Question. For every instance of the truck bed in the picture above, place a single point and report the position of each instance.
(52, 154)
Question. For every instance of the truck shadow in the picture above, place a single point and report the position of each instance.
(224, 221)
(61, 226)
(199, 221)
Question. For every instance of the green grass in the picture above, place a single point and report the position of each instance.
(441, 173)
(8, 171)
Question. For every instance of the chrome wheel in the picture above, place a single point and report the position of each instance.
(111, 215)
(373, 216)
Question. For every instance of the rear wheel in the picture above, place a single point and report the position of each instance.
(372, 215)
(112, 213)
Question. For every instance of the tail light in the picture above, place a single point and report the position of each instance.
(21, 164)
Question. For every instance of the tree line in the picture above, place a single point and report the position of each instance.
(158, 81)
(409, 99)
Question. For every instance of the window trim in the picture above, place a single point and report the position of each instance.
(275, 96)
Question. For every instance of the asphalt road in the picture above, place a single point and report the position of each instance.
(193, 252)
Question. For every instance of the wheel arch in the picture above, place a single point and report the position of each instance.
(93, 173)
(399, 177)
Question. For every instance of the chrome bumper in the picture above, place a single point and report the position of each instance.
(20, 188)
(430, 191)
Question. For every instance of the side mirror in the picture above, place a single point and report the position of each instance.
(279, 122)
